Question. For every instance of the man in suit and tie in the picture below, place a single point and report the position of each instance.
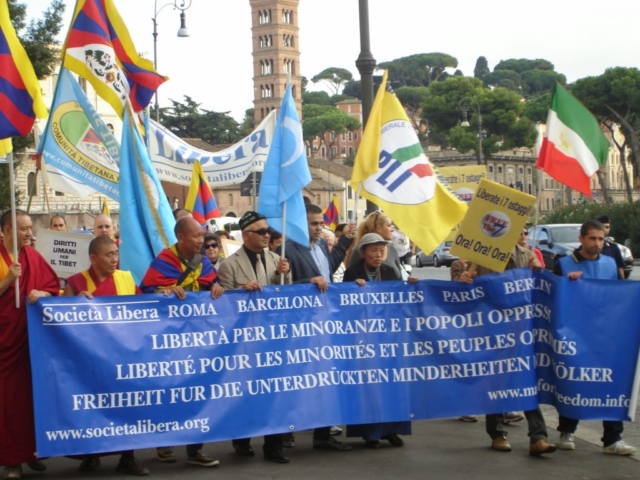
(252, 267)
(315, 264)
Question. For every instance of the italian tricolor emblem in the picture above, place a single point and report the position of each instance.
(574, 147)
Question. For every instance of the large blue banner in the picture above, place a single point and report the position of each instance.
(117, 373)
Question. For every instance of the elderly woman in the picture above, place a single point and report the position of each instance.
(378, 222)
(211, 248)
(373, 250)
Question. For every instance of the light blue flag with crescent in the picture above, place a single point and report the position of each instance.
(286, 173)
(146, 221)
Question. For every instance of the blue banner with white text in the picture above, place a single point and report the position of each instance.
(142, 371)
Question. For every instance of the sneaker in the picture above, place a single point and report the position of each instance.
(166, 455)
(512, 417)
(566, 442)
(89, 464)
(14, 471)
(619, 448)
(335, 431)
(468, 418)
(131, 466)
(202, 459)
(501, 444)
(541, 446)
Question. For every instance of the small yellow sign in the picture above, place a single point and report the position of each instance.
(464, 182)
(492, 225)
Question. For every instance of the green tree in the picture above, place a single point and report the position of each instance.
(334, 77)
(353, 89)
(419, 70)
(540, 82)
(537, 109)
(614, 98)
(187, 120)
(326, 123)
(520, 65)
(411, 99)
(504, 78)
(482, 68)
(317, 98)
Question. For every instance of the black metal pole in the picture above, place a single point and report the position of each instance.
(366, 65)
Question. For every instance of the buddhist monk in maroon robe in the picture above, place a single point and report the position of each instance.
(37, 279)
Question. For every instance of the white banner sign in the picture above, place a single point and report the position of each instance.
(67, 253)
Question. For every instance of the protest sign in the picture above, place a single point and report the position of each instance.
(67, 253)
(140, 371)
(491, 227)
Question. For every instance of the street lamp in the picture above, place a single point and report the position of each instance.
(465, 107)
(181, 5)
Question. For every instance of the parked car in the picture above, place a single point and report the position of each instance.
(560, 239)
(440, 256)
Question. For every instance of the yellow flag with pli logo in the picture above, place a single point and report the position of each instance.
(397, 176)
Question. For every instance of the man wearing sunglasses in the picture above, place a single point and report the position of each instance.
(252, 267)
(522, 241)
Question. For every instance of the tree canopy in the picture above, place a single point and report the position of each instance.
(419, 70)
(482, 68)
(334, 77)
(321, 120)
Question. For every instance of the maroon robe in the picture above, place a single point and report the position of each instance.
(17, 430)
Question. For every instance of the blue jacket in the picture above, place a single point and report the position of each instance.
(603, 267)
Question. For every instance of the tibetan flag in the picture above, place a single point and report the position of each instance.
(20, 94)
(200, 201)
(574, 147)
(146, 221)
(286, 173)
(100, 49)
(396, 175)
(331, 214)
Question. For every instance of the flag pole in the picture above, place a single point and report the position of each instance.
(14, 226)
(356, 200)
(284, 238)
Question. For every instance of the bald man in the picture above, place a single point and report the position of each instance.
(103, 226)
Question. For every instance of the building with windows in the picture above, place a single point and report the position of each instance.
(276, 54)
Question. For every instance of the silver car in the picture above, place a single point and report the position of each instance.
(440, 256)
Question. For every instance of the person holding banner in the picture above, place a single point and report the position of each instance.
(315, 264)
(588, 261)
(179, 269)
(378, 222)
(35, 279)
(373, 250)
(538, 444)
(250, 268)
(103, 279)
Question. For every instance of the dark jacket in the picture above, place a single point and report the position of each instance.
(358, 271)
(303, 266)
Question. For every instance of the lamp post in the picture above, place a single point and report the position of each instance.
(366, 65)
(181, 5)
(465, 107)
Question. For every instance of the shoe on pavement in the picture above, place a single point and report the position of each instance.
(541, 446)
(566, 442)
(131, 466)
(512, 417)
(37, 466)
(89, 464)
(202, 459)
(166, 455)
(330, 444)
(394, 440)
(335, 431)
(619, 448)
(244, 450)
(13, 472)
(468, 418)
(288, 440)
(275, 455)
(501, 444)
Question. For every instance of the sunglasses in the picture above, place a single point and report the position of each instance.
(525, 232)
(211, 245)
(261, 231)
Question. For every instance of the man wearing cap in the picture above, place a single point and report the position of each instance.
(179, 269)
(250, 268)
(315, 264)
(611, 249)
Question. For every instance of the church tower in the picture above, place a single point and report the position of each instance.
(276, 53)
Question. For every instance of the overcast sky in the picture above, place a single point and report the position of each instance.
(214, 65)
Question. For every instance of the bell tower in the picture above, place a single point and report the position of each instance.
(276, 54)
